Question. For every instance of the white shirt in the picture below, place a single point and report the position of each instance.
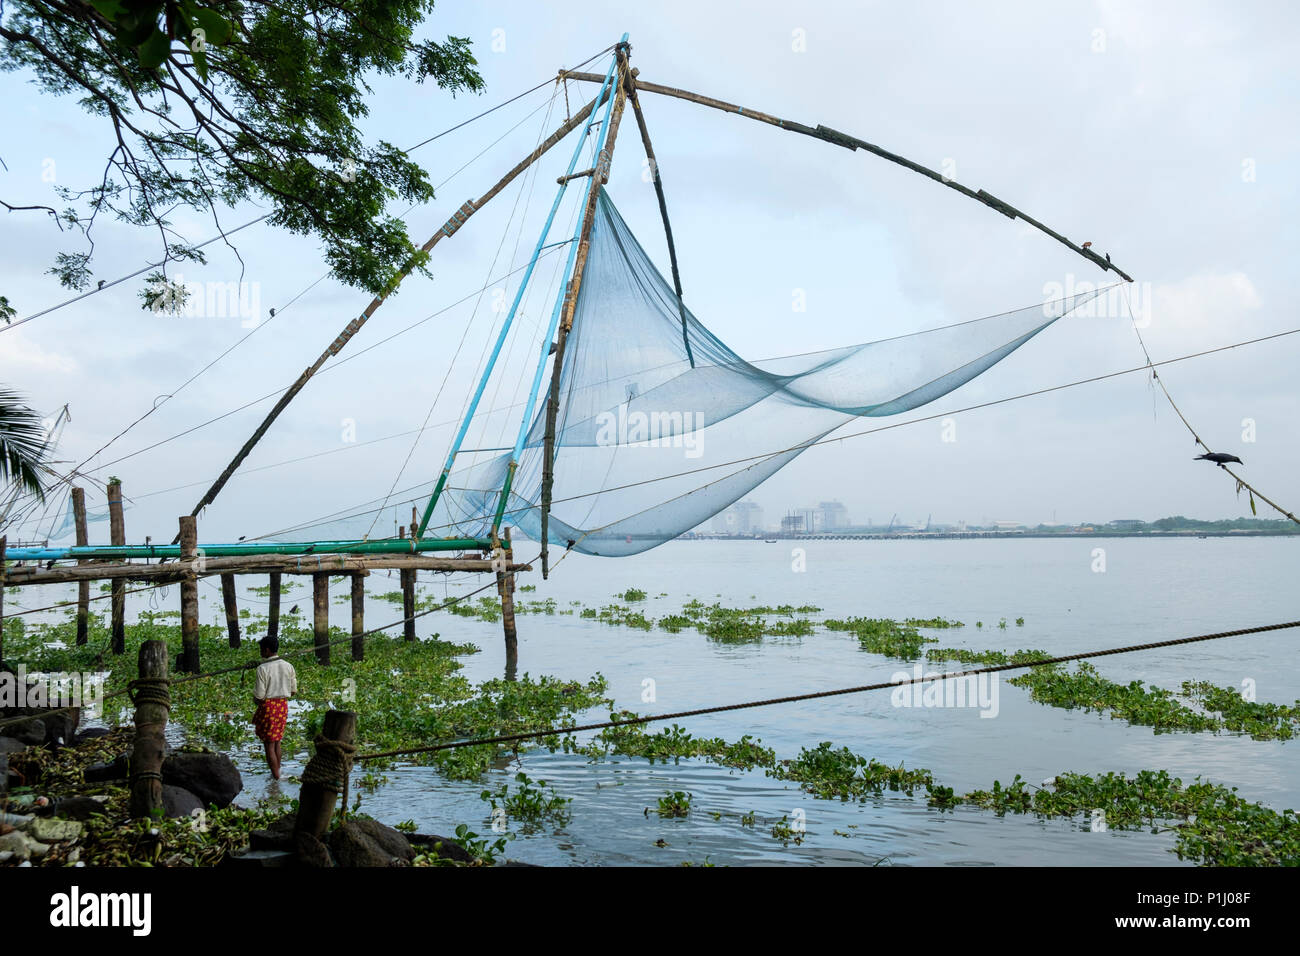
(275, 678)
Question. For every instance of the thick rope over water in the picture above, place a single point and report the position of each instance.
(816, 695)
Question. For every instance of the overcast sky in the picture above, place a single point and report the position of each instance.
(1164, 133)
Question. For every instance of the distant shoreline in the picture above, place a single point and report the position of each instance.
(984, 535)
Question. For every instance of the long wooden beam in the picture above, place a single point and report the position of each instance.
(599, 178)
(835, 137)
(341, 340)
(249, 564)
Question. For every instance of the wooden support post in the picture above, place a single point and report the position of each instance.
(358, 615)
(189, 535)
(408, 604)
(323, 779)
(232, 608)
(117, 535)
(506, 588)
(320, 584)
(83, 587)
(273, 613)
(603, 163)
(152, 704)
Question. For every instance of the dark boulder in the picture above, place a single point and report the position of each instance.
(8, 745)
(213, 778)
(310, 851)
(369, 843)
(78, 808)
(178, 802)
(30, 733)
(116, 769)
(91, 733)
(278, 835)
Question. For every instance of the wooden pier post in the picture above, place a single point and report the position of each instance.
(408, 604)
(323, 779)
(273, 613)
(358, 615)
(189, 597)
(506, 588)
(232, 608)
(320, 584)
(83, 587)
(117, 535)
(152, 698)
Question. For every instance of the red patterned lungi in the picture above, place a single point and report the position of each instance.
(271, 716)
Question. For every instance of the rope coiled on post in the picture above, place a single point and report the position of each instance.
(150, 690)
(330, 766)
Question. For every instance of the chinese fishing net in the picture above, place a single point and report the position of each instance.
(661, 425)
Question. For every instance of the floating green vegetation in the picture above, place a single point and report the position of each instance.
(403, 692)
(528, 587)
(1020, 622)
(482, 852)
(1214, 826)
(987, 658)
(883, 636)
(935, 622)
(787, 834)
(531, 801)
(842, 774)
(1263, 721)
(674, 743)
(631, 595)
(1085, 689)
(265, 589)
(674, 804)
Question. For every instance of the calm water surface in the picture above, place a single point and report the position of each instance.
(1150, 590)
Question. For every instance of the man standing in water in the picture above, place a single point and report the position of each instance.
(276, 683)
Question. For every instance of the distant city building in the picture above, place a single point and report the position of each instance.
(834, 515)
(792, 524)
(1007, 525)
(744, 517)
(1126, 524)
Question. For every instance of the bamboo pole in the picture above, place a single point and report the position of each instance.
(341, 341)
(359, 615)
(228, 598)
(152, 703)
(117, 535)
(189, 535)
(408, 604)
(320, 584)
(273, 612)
(506, 588)
(603, 163)
(663, 211)
(835, 137)
(83, 587)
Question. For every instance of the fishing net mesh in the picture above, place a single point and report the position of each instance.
(661, 425)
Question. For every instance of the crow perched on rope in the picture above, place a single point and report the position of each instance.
(1219, 458)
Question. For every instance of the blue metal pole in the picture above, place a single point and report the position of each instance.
(540, 371)
(505, 328)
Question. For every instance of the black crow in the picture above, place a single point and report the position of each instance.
(294, 609)
(1219, 458)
